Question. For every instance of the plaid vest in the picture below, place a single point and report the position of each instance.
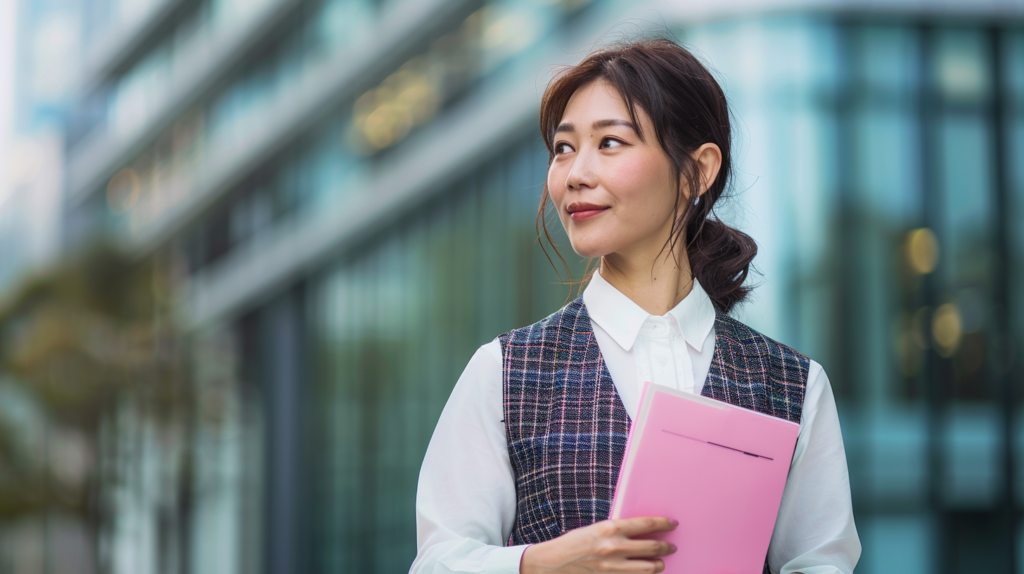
(566, 426)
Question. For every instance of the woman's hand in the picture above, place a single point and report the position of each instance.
(601, 547)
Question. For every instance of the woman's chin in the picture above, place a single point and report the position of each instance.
(589, 251)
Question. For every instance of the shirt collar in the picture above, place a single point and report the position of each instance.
(621, 318)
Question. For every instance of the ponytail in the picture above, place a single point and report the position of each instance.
(720, 259)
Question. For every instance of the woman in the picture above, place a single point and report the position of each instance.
(520, 471)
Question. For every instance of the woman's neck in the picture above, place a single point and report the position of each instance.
(657, 285)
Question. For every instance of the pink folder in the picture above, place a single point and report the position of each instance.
(716, 468)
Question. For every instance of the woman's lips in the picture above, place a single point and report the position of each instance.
(586, 213)
(581, 210)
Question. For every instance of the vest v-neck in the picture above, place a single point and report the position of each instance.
(606, 376)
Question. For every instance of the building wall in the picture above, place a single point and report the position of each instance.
(393, 329)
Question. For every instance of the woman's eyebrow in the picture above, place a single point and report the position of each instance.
(607, 123)
(570, 128)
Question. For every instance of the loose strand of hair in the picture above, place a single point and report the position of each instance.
(541, 223)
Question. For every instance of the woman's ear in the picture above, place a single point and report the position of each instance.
(709, 161)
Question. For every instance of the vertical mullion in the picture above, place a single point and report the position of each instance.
(366, 520)
(1002, 302)
(347, 449)
(846, 288)
(932, 372)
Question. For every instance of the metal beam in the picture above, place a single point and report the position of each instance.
(94, 160)
(295, 114)
(125, 44)
(999, 368)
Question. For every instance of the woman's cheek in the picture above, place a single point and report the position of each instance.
(555, 190)
(631, 173)
(639, 182)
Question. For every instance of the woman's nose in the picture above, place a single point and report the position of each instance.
(582, 173)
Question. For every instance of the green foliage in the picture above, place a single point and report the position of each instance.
(74, 340)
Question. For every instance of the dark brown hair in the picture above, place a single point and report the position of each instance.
(688, 109)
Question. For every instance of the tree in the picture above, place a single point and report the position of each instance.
(75, 340)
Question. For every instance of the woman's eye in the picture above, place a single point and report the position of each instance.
(562, 147)
(609, 142)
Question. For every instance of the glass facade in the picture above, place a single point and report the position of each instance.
(223, 112)
(329, 159)
(394, 328)
(330, 165)
(889, 169)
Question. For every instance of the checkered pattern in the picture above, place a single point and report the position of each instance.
(752, 371)
(566, 426)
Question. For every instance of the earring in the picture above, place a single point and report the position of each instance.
(697, 200)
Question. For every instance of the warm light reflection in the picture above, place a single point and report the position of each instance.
(411, 96)
(947, 329)
(922, 251)
(507, 31)
(407, 98)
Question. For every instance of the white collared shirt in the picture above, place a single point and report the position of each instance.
(466, 496)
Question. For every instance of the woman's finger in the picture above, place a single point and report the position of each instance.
(646, 566)
(630, 527)
(646, 548)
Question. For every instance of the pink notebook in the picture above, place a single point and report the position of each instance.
(716, 468)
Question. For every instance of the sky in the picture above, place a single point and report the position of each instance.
(7, 40)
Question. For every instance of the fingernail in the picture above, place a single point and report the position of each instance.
(674, 522)
(671, 548)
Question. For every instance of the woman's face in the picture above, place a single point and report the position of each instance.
(614, 193)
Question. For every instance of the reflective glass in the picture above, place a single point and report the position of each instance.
(398, 325)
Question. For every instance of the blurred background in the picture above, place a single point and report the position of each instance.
(247, 247)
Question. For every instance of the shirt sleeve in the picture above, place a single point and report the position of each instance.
(815, 532)
(466, 496)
